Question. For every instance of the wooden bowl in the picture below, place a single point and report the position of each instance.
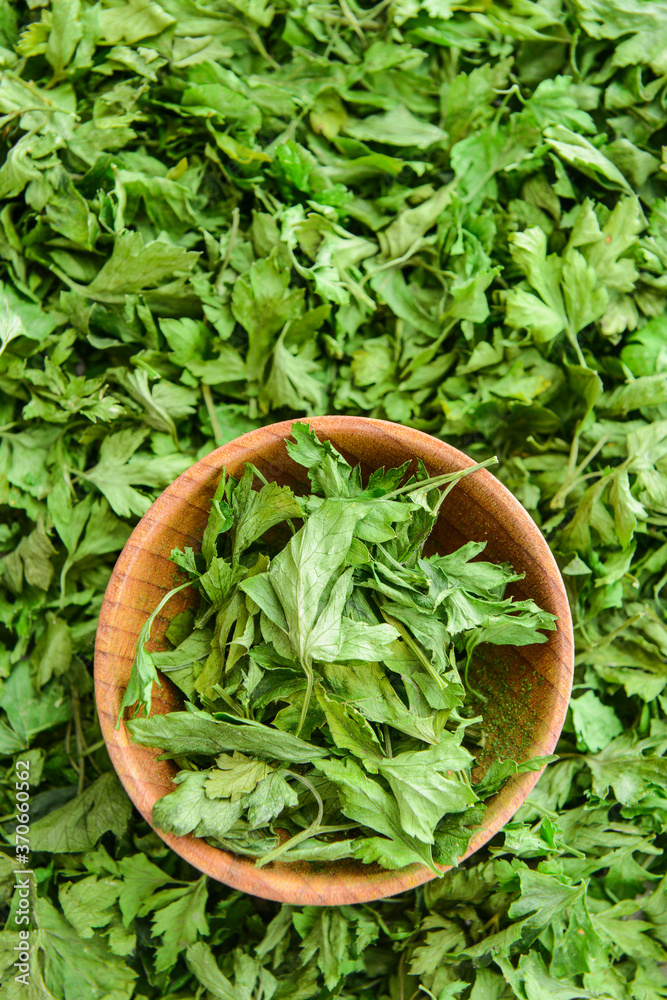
(529, 686)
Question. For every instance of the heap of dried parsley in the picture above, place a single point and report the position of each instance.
(461, 208)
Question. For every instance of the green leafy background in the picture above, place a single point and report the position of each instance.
(452, 215)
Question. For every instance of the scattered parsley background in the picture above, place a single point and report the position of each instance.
(452, 215)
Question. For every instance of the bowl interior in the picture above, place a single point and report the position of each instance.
(528, 687)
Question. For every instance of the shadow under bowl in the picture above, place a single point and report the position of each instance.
(528, 687)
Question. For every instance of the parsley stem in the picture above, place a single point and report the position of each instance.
(471, 689)
(80, 742)
(213, 417)
(394, 262)
(354, 24)
(572, 337)
(236, 217)
(143, 700)
(310, 680)
(260, 475)
(338, 827)
(229, 701)
(298, 838)
(387, 740)
(413, 647)
(571, 480)
(614, 634)
(449, 477)
(253, 36)
(374, 11)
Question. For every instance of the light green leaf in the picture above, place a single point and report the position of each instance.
(398, 127)
(30, 712)
(583, 155)
(645, 353)
(188, 809)
(134, 266)
(88, 903)
(79, 824)
(201, 962)
(529, 251)
(120, 467)
(133, 21)
(413, 223)
(139, 690)
(264, 509)
(596, 724)
(67, 964)
(624, 767)
(234, 776)
(525, 311)
(269, 798)
(140, 879)
(262, 303)
(648, 390)
(350, 730)
(553, 102)
(198, 732)
(365, 801)
(424, 787)
(371, 692)
(585, 298)
(180, 923)
(301, 572)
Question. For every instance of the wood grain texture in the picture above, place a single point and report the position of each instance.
(529, 688)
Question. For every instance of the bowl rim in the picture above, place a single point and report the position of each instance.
(285, 882)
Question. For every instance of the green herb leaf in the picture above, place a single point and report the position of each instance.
(200, 733)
